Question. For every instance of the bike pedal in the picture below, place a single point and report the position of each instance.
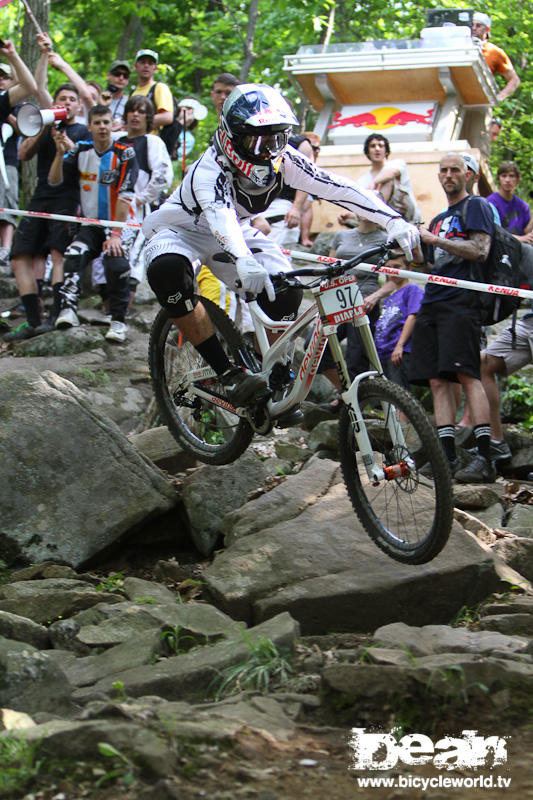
(290, 419)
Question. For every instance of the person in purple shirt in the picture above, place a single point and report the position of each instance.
(515, 214)
(395, 325)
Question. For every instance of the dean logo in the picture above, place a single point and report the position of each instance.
(383, 751)
(174, 298)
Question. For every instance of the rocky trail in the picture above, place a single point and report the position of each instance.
(174, 630)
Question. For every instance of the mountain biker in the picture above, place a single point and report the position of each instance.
(207, 219)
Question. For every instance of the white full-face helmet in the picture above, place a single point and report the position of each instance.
(254, 130)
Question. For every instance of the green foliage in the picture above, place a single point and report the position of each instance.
(5, 572)
(264, 665)
(177, 640)
(120, 694)
(409, 655)
(366, 656)
(113, 583)
(458, 690)
(98, 378)
(18, 765)
(208, 431)
(21, 770)
(466, 616)
(517, 400)
(210, 36)
(122, 768)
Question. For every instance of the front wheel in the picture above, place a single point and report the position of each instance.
(211, 433)
(409, 516)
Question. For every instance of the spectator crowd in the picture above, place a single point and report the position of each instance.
(109, 157)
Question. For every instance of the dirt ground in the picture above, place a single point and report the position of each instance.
(315, 763)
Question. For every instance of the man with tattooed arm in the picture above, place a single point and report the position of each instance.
(445, 343)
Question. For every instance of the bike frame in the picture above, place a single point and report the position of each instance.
(324, 330)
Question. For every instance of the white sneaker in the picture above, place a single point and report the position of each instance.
(67, 318)
(117, 331)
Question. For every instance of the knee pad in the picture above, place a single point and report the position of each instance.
(286, 304)
(171, 278)
(76, 257)
(117, 268)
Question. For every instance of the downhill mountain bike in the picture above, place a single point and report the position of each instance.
(385, 436)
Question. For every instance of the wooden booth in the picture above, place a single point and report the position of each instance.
(427, 96)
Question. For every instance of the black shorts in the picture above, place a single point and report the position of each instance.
(36, 236)
(445, 341)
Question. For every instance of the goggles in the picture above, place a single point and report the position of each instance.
(265, 147)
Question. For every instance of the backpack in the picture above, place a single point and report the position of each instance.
(501, 268)
(169, 133)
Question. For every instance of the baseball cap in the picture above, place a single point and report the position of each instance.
(150, 53)
(117, 64)
(471, 162)
(199, 111)
(483, 19)
(6, 69)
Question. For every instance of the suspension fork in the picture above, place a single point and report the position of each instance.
(350, 397)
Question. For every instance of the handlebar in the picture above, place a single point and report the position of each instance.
(283, 280)
(339, 267)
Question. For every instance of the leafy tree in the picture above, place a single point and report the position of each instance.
(197, 39)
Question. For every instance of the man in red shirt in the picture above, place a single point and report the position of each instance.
(496, 58)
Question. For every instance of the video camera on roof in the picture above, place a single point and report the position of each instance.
(438, 17)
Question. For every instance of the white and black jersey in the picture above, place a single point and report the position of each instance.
(102, 178)
(215, 199)
(155, 170)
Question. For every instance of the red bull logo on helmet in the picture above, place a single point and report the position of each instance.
(234, 157)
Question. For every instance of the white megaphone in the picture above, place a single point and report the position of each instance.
(31, 119)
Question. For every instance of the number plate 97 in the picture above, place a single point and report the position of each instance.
(342, 300)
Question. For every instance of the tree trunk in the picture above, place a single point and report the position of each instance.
(131, 35)
(248, 44)
(329, 27)
(29, 52)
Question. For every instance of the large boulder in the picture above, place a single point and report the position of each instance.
(518, 553)
(284, 502)
(159, 446)
(30, 681)
(321, 567)
(212, 492)
(71, 482)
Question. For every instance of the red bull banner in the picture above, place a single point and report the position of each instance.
(403, 122)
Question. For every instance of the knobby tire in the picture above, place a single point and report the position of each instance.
(410, 517)
(212, 435)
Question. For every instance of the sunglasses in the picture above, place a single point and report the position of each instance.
(316, 148)
(120, 74)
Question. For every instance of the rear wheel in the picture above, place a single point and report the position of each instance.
(409, 516)
(213, 434)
